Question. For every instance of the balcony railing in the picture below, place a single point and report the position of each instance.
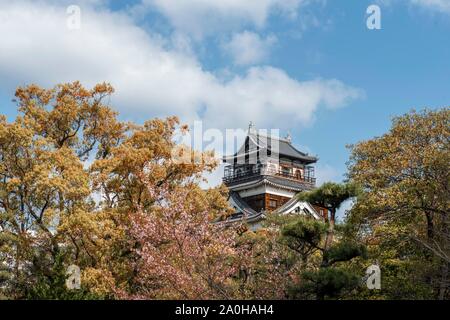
(231, 176)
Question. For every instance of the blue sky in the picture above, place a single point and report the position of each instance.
(309, 67)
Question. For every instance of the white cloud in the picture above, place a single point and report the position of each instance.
(198, 17)
(442, 6)
(247, 48)
(152, 76)
(438, 5)
(346, 206)
(326, 173)
(268, 96)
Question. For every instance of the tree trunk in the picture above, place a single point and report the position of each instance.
(444, 281)
(443, 285)
(330, 231)
(430, 225)
(330, 237)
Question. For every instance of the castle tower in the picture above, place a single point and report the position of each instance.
(265, 175)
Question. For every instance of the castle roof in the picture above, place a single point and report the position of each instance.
(274, 181)
(244, 213)
(256, 142)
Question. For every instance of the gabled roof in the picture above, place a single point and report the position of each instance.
(264, 144)
(246, 214)
(292, 205)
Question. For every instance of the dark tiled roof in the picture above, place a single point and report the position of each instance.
(289, 183)
(287, 149)
(295, 185)
(242, 205)
(261, 143)
(244, 212)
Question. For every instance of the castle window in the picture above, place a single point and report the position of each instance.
(273, 203)
(272, 168)
(259, 203)
(286, 171)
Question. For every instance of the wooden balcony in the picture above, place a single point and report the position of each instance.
(240, 176)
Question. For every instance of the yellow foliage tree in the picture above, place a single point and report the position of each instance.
(405, 176)
(71, 174)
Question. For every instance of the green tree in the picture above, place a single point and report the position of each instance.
(404, 208)
(327, 276)
(50, 284)
(330, 196)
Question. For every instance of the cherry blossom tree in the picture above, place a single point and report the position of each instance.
(181, 254)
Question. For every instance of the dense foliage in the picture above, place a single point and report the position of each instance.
(403, 213)
(78, 186)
